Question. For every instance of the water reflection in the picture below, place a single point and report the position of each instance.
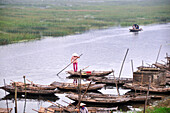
(52, 98)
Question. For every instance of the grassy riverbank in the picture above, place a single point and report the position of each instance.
(31, 20)
(162, 106)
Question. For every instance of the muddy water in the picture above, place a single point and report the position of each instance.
(104, 49)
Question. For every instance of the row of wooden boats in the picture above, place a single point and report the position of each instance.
(55, 87)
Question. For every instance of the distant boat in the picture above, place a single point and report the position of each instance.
(135, 30)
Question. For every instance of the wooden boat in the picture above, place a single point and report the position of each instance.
(33, 86)
(73, 87)
(135, 30)
(111, 81)
(73, 109)
(20, 90)
(138, 87)
(89, 73)
(106, 98)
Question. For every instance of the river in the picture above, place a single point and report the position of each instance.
(102, 49)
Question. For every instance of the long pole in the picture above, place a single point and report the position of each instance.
(132, 66)
(84, 93)
(79, 84)
(68, 65)
(123, 62)
(158, 54)
(116, 84)
(146, 101)
(15, 97)
(6, 99)
(25, 94)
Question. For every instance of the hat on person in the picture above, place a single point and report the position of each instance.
(82, 104)
(75, 54)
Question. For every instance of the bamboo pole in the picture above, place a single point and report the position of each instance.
(15, 97)
(69, 103)
(6, 98)
(79, 84)
(35, 110)
(58, 106)
(158, 54)
(84, 94)
(146, 101)
(132, 66)
(25, 94)
(116, 84)
(123, 62)
(25, 86)
(86, 90)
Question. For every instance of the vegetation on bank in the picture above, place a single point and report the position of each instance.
(162, 106)
(30, 20)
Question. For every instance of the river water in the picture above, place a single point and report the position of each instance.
(103, 49)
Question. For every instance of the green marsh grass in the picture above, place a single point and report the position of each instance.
(30, 21)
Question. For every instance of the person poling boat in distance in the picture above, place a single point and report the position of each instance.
(135, 28)
(74, 60)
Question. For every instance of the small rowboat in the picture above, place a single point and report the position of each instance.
(138, 87)
(107, 98)
(73, 87)
(135, 30)
(20, 90)
(33, 86)
(111, 81)
(89, 73)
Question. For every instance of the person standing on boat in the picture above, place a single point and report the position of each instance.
(74, 61)
(83, 109)
(75, 64)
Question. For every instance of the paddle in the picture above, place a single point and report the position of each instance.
(68, 65)
(85, 68)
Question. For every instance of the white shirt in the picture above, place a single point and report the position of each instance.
(85, 110)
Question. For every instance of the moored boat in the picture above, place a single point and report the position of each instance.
(135, 30)
(33, 86)
(144, 88)
(107, 99)
(111, 81)
(74, 87)
(89, 73)
(20, 90)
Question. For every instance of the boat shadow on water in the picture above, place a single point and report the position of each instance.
(52, 98)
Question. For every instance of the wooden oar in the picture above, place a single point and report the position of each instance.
(69, 103)
(58, 105)
(68, 65)
(31, 82)
(84, 68)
